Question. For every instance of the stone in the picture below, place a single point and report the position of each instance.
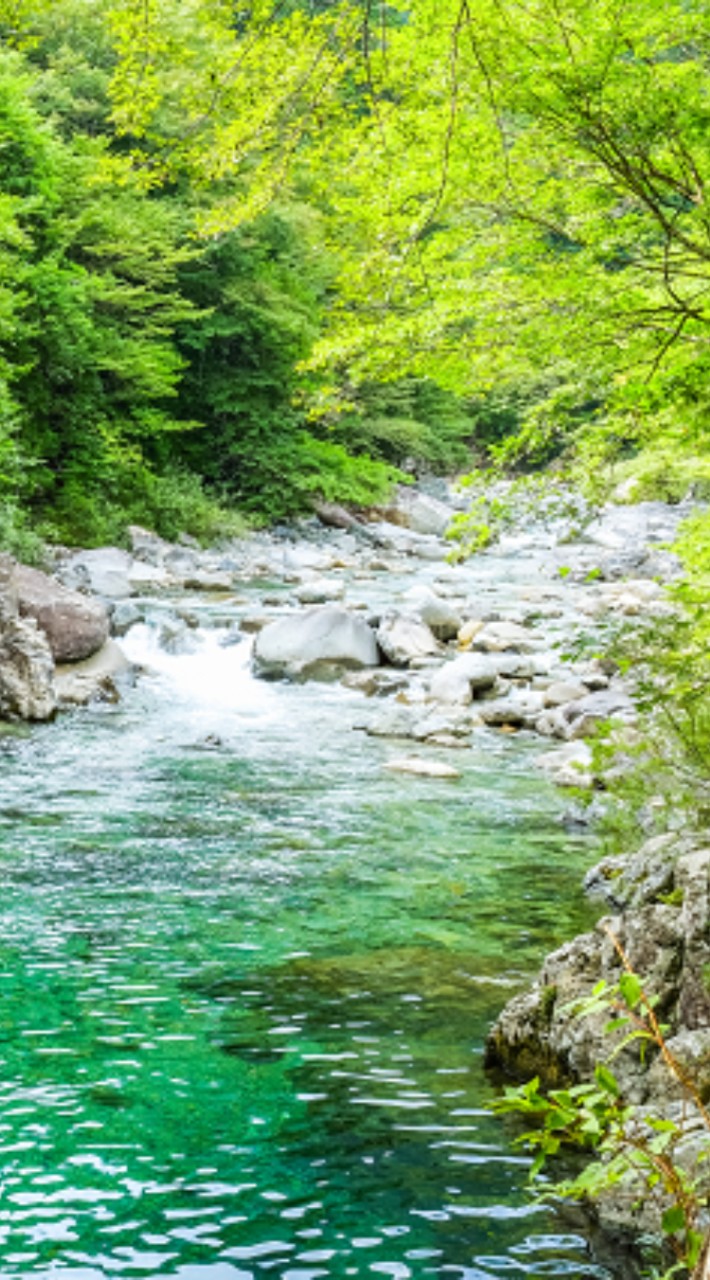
(124, 615)
(622, 527)
(562, 691)
(421, 513)
(375, 682)
(104, 572)
(457, 681)
(334, 516)
(296, 645)
(569, 766)
(441, 617)
(75, 626)
(297, 558)
(147, 545)
(580, 719)
(468, 631)
(98, 678)
(423, 768)
(495, 637)
(320, 591)
(638, 879)
(208, 580)
(252, 623)
(434, 723)
(403, 638)
(26, 670)
(662, 934)
(519, 709)
(394, 721)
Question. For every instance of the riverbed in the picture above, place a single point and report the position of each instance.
(246, 978)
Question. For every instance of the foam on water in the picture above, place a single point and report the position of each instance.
(214, 672)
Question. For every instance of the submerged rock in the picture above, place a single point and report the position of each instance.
(423, 768)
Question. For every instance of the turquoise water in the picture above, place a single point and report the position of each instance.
(245, 979)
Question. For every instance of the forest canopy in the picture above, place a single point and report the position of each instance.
(267, 252)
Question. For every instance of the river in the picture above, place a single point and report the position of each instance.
(246, 978)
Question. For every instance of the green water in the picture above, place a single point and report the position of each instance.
(245, 980)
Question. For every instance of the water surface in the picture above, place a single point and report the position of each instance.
(246, 976)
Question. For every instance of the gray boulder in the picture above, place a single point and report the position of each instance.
(520, 709)
(664, 935)
(421, 513)
(75, 626)
(308, 644)
(569, 766)
(441, 617)
(561, 692)
(104, 572)
(459, 680)
(581, 718)
(496, 637)
(404, 638)
(26, 671)
(26, 664)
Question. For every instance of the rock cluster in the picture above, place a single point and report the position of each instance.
(660, 929)
(54, 647)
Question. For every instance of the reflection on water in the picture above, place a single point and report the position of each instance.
(245, 979)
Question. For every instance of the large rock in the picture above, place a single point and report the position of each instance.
(404, 638)
(26, 665)
(422, 514)
(582, 718)
(664, 935)
(75, 626)
(620, 527)
(304, 644)
(26, 671)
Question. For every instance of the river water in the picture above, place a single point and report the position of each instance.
(246, 975)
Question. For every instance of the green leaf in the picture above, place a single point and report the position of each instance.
(631, 989)
(673, 1220)
(606, 1080)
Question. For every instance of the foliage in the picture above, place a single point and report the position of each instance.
(628, 1143)
(411, 422)
(656, 774)
(497, 503)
